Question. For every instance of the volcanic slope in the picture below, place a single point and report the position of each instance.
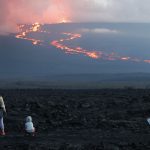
(77, 119)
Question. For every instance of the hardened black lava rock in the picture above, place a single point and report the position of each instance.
(77, 119)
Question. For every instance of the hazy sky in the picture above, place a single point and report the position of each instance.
(52, 11)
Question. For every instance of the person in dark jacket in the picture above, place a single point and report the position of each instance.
(2, 111)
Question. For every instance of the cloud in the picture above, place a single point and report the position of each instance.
(13, 12)
(112, 10)
(100, 30)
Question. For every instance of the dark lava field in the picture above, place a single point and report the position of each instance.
(77, 119)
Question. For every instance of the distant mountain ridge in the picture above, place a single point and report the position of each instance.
(117, 80)
(102, 77)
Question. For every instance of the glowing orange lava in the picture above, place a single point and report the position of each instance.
(36, 27)
(64, 20)
(77, 50)
(23, 33)
(147, 61)
(125, 58)
(60, 44)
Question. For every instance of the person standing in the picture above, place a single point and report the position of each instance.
(2, 111)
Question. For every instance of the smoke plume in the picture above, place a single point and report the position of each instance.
(13, 12)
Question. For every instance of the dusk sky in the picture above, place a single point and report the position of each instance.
(13, 12)
(43, 37)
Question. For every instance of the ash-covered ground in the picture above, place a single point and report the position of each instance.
(78, 119)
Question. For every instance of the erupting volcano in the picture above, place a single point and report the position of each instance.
(62, 44)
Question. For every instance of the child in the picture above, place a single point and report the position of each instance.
(2, 110)
(29, 128)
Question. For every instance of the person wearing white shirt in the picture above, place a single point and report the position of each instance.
(29, 127)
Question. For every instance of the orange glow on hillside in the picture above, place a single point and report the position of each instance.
(94, 55)
(64, 20)
(36, 27)
(147, 61)
(22, 35)
(25, 32)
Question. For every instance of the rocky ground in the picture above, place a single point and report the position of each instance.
(77, 119)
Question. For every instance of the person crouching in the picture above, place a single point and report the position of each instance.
(29, 128)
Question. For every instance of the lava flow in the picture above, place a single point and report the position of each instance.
(24, 32)
(60, 44)
(77, 50)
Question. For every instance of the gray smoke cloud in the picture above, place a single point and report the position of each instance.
(13, 12)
